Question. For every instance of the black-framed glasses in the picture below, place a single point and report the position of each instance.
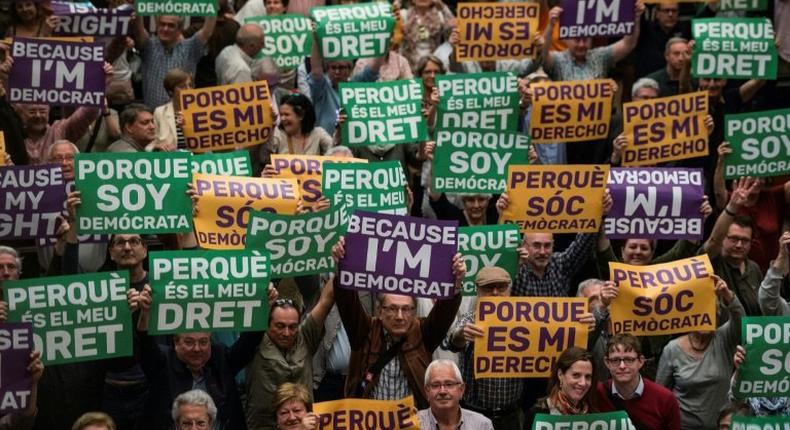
(133, 242)
(395, 310)
(446, 384)
(737, 239)
(615, 361)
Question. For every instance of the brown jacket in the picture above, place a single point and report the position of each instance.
(366, 335)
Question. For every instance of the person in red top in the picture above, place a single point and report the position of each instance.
(649, 405)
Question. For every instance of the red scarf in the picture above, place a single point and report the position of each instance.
(565, 406)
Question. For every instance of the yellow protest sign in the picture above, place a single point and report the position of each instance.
(665, 129)
(496, 31)
(227, 116)
(523, 336)
(556, 199)
(571, 111)
(307, 169)
(89, 39)
(2, 149)
(668, 298)
(370, 414)
(225, 202)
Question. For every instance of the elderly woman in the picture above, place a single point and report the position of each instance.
(292, 403)
(697, 366)
(571, 387)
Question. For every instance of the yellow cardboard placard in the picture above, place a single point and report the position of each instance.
(496, 31)
(307, 169)
(571, 111)
(363, 413)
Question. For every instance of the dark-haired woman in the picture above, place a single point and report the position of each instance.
(297, 133)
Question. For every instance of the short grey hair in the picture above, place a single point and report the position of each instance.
(584, 285)
(442, 362)
(644, 83)
(249, 33)
(7, 250)
(674, 40)
(195, 398)
(61, 142)
(339, 150)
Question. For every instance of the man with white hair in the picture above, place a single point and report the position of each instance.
(444, 388)
(235, 63)
(194, 409)
(10, 264)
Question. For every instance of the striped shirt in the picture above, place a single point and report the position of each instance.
(392, 383)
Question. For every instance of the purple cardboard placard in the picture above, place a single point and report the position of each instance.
(16, 383)
(81, 19)
(399, 255)
(57, 73)
(591, 18)
(655, 203)
(31, 200)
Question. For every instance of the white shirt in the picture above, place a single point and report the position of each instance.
(233, 66)
(250, 9)
(637, 393)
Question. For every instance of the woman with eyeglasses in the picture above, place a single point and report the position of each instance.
(571, 387)
(294, 408)
(697, 366)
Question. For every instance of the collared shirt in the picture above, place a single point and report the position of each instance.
(338, 356)
(157, 60)
(640, 388)
(482, 393)
(596, 65)
(470, 420)
(557, 276)
(233, 66)
(392, 383)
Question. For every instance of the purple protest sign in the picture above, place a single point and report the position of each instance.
(397, 254)
(655, 203)
(16, 383)
(591, 18)
(57, 73)
(31, 199)
(82, 19)
(81, 238)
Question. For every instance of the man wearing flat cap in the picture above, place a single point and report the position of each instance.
(499, 399)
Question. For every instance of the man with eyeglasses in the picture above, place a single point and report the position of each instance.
(444, 388)
(649, 405)
(194, 410)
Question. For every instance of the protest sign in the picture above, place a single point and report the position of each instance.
(571, 111)
(496, 31)
(81, 238)
(57, 73)
(227, 116)
(766, 370)
(378, 187)
(176, 7)
(596, 18)
(617, 420)
(80, 19)
(482, 101)
(16, 383)
(234, 163)
(2, 149)
(209, 291)
(742, 5)
(307, 169)
(487, 246)
(760, 423)
(289, 38)
(75, 318)
(556, 199)
(760, 143)
(665, 129)
(655, 203)
(399, 255)
(31, 199)
(474, 161)
(668, 298)
(300, 244)
(739, 48)
(350, 414)
(348, 32)
(126, 192)
(225, 203)
(382, 112)
(524, 336)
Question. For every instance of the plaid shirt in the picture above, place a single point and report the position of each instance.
(157, 60)
(561, 268)
(392, 383)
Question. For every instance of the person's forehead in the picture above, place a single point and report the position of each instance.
(592, 290)
(538, 237)
(667, 6)
(621, 352)
(194, 336)
(736, 229)
(168, 20)
(399, 300)
(285, 315)
(193, 410)
(6, 258)
(442, 373)
(63, 148)
(638, 242)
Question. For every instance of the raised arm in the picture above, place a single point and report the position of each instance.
(548, 56)
(740, 193)
(771, 302)
(719, 184)
(207, 30)
(352, 313)
(140, 33)
(624, 46)
(325, 303)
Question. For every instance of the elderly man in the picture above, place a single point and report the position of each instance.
(138, 130)
(10, 264)
(389, 352)
(235, 63)
(444, 388)
(194, 409)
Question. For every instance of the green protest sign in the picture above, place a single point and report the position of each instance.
(374, 187)
(740, 48)
(742, 5)
(382, 112)
(486, 246)
(608, 420)
(75, 318)
(209, 290)
(475, 161)
(299, 244)
(766, 370)
(289, 38)
(176, 7)
(482, 101)
(760, 143)
(126, 192)
(234, 163)
(348, 32)
(775, 422)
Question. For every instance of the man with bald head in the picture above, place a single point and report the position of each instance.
(235, 62)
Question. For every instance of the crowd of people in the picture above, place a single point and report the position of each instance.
(326, 343)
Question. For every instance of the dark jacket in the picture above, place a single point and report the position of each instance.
(169, 377)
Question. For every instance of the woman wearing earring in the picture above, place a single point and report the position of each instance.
(570, 387)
